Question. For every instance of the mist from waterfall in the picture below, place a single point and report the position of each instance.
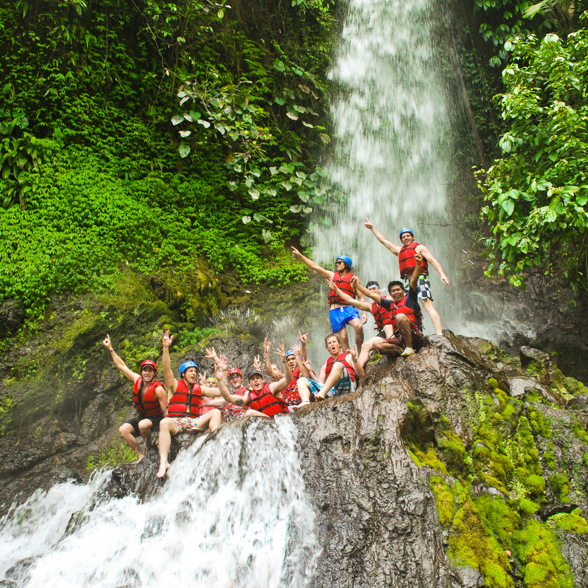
(395, 110)
(232, 513)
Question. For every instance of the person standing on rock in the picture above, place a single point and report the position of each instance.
(384, 324)
(263, 398)
(337, 376)
(340, 314)
(186, 403)
(404, 309)
(150, 401)
(407, 263)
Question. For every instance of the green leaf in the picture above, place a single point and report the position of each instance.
(184, 149)
(176, 119)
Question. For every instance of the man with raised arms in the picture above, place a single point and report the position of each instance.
(336, 376)
(407, 263)
(262, 398)
(404, 309)
(184, 410)
(340, 314)
(384, 325)
(149, 398)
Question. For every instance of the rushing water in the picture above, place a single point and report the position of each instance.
(395, 114)
(233, 513)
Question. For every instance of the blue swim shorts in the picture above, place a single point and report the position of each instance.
(344, 386)
(341, 316)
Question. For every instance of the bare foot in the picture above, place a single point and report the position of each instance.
(163, 470)
(140, 456)
(319, 397)
(297, 406)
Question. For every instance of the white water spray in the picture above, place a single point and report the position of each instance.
(393, 114)
(232, 513)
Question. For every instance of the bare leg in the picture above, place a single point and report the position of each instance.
(145, 430)
(167, 428)
(303, 392)
(433, 315)
(358, 328)
(385, 348)
(210, 420)
(251, 412)
(365, 350)
(344, 339)
(403, 324)
(126, 432)
(333, 379)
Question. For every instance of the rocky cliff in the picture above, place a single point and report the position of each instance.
(460, 466)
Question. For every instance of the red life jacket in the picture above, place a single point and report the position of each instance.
(185, 403)
(232, 411)
(402, 308)
(290, 395)
(381, 316)
(341, 359)
(264, 401)
(407, 261)
(146, 402)
(343, 283)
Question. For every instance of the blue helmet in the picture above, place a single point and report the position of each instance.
(186, 365)
(290, 352)
(346, 259)
(406, 230)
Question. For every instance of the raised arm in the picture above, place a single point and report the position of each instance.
(119, 363)
(312, 265)
(282, 384)
(211, 354)
(424, 251)
(417, 270)
(269, 370)
(220, 371)
(388, 244)
(375, 296)
(168, 375)
(361, 304)
(303, 341)
(300, 359)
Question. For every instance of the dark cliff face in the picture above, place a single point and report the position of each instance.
(453, 467)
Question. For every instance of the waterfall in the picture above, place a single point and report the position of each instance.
(233, 512)
(397, 118)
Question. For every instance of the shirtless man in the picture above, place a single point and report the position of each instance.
(149, 398)
(336, 376)
(184, 410)
(340, 314)
(262, 398)
(406, 260)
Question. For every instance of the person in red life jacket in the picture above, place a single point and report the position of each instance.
(262, 398)
(384, 326)
(210, 403)
(296, 361)
(336, 376)
(150, 401)
(340, 314)
(185, 405)
(271, 369)
(405, 311)
(407, 263)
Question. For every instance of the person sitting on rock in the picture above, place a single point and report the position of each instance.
(404, 309)
(340, 314)
(185, 405)
(384, 325)
(263, 398)
(150, 401)
(407, 263)
(336, 376)
(296, 360)
(210, 403)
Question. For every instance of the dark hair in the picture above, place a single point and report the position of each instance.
(395, 283)
(372, 283)
(332, 335)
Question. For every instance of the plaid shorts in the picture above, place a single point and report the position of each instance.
(344, 386)
(186, 424)
(423, 287)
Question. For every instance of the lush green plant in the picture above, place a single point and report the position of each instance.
(537, 192)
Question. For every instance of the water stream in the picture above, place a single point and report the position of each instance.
(233, 513)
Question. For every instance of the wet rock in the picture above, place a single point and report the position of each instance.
(12, 316)
(579, 403)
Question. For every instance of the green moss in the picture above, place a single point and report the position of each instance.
(536, 485)
(429, 458)
(499, 516)
(536, 367)
(549, 458)
(560, 485)
(585, 459)
(538, 551)
(492, 383)
(573, 522)
(121, 453)
(455, 454)
(445, 499)
(527, 507)
(579, 431)
(540, 423)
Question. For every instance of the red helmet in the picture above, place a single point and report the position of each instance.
(149, 362)
(235, 371)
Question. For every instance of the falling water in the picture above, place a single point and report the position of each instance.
(396, 112)
(232, 513)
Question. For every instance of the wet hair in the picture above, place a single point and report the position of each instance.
(332, 335)
(395, 283)
(372, 283)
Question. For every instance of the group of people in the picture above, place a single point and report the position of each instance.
(197, 403)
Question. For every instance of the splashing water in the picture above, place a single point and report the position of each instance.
(395, 116)
(232, 513)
